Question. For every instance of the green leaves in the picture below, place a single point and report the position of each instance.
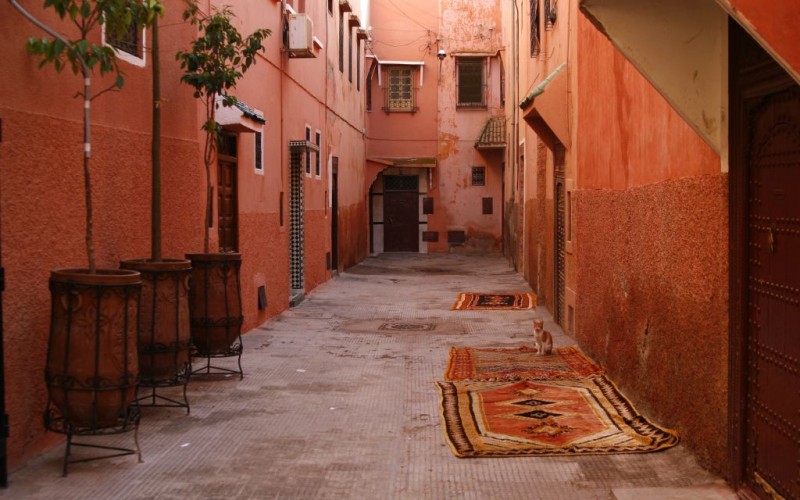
(220, 55)
(117, 16)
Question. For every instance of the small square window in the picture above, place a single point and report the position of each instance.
(478, 176)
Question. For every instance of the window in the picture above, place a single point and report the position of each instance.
(317, 167)
(129, 46)
(358, 65)
(330, 7)
(478, 176)
(471, 85)
(308, 151)
(400, 89)
(259, 155)
(350, 54)
(535, 34)
(341, 42)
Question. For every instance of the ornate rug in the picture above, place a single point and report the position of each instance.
(470, 363)
(545, 417)
(496, 301)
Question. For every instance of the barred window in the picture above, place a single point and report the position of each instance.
(400, 93)
(478, 176)
(129, 42)
(535, 33)
(471, 83)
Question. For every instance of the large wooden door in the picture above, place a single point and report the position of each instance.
(227, 207)
(401, 213)
(766, 183)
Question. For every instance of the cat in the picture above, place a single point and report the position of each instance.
(542, 338)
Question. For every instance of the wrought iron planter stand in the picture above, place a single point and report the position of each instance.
(215, 299)
(92, 369)
(164, 335)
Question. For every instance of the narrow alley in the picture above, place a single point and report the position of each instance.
(339, 401)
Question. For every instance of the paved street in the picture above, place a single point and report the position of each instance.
(337, 404)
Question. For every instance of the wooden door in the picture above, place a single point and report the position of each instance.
(401, 213)
(766, 212)
(227, 208)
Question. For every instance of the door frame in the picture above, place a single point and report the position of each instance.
(760, 79)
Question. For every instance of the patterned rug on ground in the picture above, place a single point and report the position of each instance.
(470, 363)
(495, 301)
(587, 416)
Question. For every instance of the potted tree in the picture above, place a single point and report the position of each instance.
(216, 60)
(92, 367)
(164, 333)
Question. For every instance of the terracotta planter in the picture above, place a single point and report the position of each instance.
(92, 364)
(215, 300)
(164, 332)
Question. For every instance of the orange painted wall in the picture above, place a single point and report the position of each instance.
(42, 203)
(651, 235)
(777, 23)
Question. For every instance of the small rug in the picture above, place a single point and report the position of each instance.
(545, 417)
(495, 301)
(470, 363)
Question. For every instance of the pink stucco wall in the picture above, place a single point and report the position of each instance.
(651, 236)
(41, 187)
(42, 202)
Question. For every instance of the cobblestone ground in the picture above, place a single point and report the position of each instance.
(334, 406)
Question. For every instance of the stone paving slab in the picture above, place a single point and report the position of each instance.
(334, 406)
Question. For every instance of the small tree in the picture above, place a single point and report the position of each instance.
(82, 57)
(218, 58)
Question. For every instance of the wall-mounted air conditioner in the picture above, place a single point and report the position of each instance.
(301, 36)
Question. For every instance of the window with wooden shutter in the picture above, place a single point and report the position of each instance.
(400, 89)
(471, 82)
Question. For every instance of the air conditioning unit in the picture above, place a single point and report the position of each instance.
(301, 36)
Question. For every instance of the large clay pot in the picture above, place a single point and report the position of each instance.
(92, 365)
(215, 302)
(164, 332)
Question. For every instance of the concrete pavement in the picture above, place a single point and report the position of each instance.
(338, 401)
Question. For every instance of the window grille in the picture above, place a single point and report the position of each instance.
(535, 34)
(471, 84)
(129, 42)
(478, 176)
(400, 90)
(401, 183)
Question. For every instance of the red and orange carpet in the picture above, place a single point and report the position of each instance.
(510, 402)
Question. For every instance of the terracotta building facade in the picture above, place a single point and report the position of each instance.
(291, 164)
(648, 190)
(636, 160)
